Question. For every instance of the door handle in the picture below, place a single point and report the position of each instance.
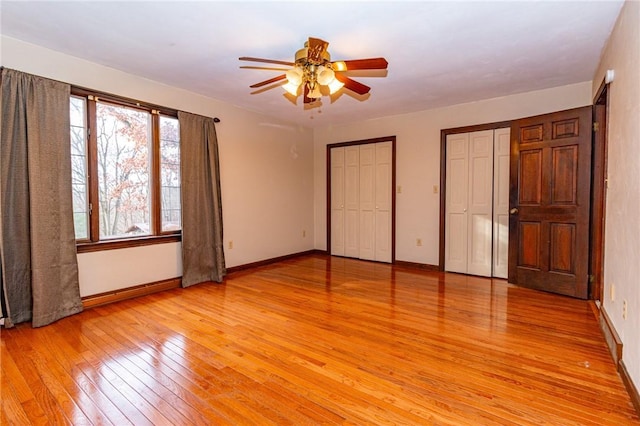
(513, 211)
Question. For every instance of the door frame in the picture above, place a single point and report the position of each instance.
(443, 175)
(391, 139)
(598, 188)
(598, 192)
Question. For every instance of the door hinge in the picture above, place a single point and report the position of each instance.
(596, 126)
(592, 278)
(90, 208)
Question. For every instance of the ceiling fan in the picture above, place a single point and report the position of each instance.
(316, 74)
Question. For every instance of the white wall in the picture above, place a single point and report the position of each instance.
(622, 228)
(418, 158)
(266, 173)
(105, 271)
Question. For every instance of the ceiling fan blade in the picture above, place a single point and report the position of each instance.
(266, 61)
(361, 64)
(249, 67)
(271, 80)
(359, 88)
(316, 49)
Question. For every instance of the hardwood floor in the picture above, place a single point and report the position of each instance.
(319, 340)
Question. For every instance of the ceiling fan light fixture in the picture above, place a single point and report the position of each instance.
(325, 75)
(314, 71)
(334, 86)
(291, 88)
(294, 76)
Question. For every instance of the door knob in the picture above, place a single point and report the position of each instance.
(513, 211)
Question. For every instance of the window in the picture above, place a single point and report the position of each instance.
(123, 139)
(170, 173)
(125, 170)
(79, 167)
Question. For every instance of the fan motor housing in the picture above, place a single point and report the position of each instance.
(301, 57)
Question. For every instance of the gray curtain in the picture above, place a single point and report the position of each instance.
(37, 241)
(202, 244)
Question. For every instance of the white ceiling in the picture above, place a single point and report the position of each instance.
(440, 53)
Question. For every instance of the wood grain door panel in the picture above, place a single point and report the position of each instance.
(549, 199)
(562, 246)
(530, 177)
(529, 245)
(564, 175)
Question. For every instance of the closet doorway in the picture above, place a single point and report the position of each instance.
(475, 200)
(361, 199)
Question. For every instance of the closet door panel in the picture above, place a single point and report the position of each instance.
(456, 203)
(352, 201)
(383, 202)
(367, 202)
(456, 246)
(362, 201)
(477, 202)
(502, 138)
(480, 207)
(337, 202)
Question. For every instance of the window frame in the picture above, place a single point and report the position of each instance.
(157, 236)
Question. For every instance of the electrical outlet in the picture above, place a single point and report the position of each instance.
(419, 242)
(399, 189)
(304, 233)
(230, 244)
(624, 309)
(435, 189)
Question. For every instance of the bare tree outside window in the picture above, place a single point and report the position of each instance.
(123, 139)
(124, 154)
(78, 118)
(170, 174)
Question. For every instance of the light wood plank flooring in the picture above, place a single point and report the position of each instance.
(319, 340)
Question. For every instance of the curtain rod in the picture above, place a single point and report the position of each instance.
(122, 99)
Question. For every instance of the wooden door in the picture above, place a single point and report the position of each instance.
(549, 202)
(383, 203)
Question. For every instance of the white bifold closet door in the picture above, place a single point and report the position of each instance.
(476, 174)
(361, 204)
(337, 202)
(501, 148)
